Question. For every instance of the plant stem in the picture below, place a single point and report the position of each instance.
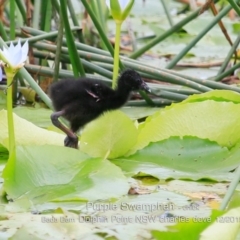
(235, 6)
(167, 12)
(227, 73)
(75, 20)
(3, 32)
(231, 189)
(228, 58)
(116, 54)
(21, 8)
(37, 14)
(11, 135)
(167, 33)
(203, 33)
(77, 66)
(99, 29)
(12, 21)
(58, 50)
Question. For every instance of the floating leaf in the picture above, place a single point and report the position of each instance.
(38, 116)
(187, 228)
(44, 173)
(112, 135)
(41, 116)
(139, 112)
(225, 228)
(216, 121)
(186, 158)
(189, 154)
(27, 133)
(216, 95)
(136, 169)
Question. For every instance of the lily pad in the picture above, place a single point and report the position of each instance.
(216, 95)
(225, 228)
(188, 228)
(111, 135)
(133, 168)
(27, 133)
(139, 112)
(38, 116)
(44, 173)
(189, 154)
(216, 121)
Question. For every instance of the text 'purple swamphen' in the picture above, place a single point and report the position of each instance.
(82, 100)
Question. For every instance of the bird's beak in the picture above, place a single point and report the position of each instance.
(145, 87)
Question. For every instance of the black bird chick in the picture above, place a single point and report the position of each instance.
(82, 100)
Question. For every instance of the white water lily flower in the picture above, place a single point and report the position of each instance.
(119, 8)
(15, 56)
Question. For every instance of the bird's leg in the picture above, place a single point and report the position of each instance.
(71, 140)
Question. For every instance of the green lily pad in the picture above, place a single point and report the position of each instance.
(187, 228)
(216, 121)
(41, 116)
(44, 173)
(136, 169)
(38, 116)
(216, 95)
(225, 228)
(27, 133)
(139, 112)
(111, 135)
(189, 154)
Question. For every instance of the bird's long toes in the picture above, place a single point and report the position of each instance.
(71, 142)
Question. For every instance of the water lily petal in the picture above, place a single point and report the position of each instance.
(12, 53)
(6, 52)
(4, 55)
(18, 46)
(8, 55)
(15, 56)
(24, 49)
(16, 59)
(13, 49)
(10, 49)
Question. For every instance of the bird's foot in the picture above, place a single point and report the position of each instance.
(71, 142)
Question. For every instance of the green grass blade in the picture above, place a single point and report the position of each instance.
(75, 60)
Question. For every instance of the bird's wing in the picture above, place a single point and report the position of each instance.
(95, 91)
(100, 92)
(92, 94)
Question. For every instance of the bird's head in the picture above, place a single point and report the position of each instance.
(132, 80)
